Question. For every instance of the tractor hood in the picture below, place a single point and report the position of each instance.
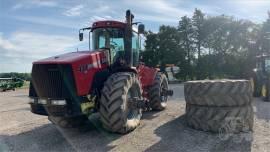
(70, 58)
(83, 65)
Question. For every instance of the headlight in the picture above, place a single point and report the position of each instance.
(42, 101)
(32, 100)
(58, 102)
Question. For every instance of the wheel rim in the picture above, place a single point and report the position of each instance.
(133, 112)
(163, 96)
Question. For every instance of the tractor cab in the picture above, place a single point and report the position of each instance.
(120, 40)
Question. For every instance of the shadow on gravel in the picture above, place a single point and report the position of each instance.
(149, 115)
(176, 136)
(43, 138)
(90, 137)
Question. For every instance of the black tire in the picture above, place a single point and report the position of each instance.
(115, 113)
(215, 119)
(157, 100)
(218, 92)
(68, 122)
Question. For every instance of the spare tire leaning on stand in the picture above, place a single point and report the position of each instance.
(215, 105)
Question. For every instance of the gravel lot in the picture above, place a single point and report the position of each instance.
(20, 130)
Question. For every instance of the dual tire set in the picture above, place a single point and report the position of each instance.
(219, 106)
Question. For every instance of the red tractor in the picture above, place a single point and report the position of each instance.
(110, 80)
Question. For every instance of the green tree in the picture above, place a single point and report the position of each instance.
(150, 55)
(215, 46)
(264, 36)
(197, 22)
(186, 42)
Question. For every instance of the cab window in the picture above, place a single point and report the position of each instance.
(112, 38)
(135, 48)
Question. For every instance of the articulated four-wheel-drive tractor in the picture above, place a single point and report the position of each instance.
(110, 80)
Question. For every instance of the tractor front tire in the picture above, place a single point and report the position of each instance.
(68, 122)
(116, 114)
(157, 100)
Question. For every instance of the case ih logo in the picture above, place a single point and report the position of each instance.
(85, 67)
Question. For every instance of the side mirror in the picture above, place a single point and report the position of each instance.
(141, 28)
(81, 36)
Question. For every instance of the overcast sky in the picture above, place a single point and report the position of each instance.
(35, 29)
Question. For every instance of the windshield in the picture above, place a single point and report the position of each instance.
(112, 38)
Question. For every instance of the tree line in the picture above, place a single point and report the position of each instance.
(24, 76)
(208, 47)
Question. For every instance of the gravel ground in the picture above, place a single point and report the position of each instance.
(20, 130)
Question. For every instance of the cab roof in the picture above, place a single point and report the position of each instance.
(111, 23)
(108, 23)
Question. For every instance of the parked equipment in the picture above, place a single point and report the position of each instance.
(261, 77)
(171, 71)
(10, 83)
(109, 80)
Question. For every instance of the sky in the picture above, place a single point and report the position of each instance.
(34, 29)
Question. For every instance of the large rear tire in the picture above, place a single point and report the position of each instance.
(68, 122)
(158, 99)
(115, 111)
(214, 119)
(218, 92)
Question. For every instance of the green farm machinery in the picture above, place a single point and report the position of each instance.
(10, 83)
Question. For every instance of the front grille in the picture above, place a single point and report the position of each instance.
(51, 81)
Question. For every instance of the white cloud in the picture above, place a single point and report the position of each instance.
(103, 8)
(17, 6)
(22, 48)
(74, 11)
(155, 18)
(47, 21)
(44, 3)
(34, 3)
(5, 44)
(160, 9)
